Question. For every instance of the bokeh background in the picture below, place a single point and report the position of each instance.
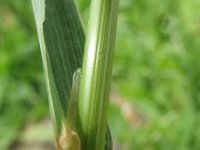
(155, 98)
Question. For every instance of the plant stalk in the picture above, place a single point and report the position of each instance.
(96, 73)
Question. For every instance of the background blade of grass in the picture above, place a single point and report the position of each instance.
(61, 40)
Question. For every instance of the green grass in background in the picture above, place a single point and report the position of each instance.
(22, 91)
(156, 76)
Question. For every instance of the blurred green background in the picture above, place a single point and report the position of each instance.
(155, 98)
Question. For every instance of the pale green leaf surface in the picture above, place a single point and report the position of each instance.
(96, 73)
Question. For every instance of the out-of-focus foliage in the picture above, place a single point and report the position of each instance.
(22, 90)
(156, 67)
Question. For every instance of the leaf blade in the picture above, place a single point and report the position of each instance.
(61, 40)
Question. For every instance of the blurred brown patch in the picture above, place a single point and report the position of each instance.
(130, 113)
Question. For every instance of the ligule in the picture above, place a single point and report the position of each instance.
(69, 139)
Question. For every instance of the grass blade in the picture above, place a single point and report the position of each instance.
(61, 40)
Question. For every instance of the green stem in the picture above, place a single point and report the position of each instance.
(96, 75)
